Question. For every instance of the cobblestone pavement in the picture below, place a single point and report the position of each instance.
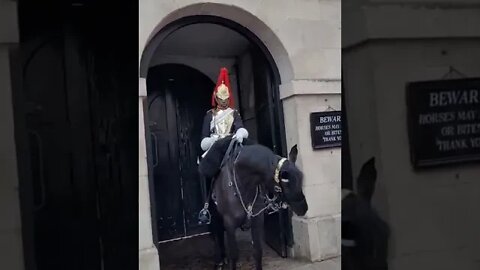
(197, 253)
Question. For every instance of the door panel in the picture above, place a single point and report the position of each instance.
(168, 193)
(347, 179)
(74, 162)
(190, 113)
(56, 115)
(276, 225)
(46, 120)
(179, 98)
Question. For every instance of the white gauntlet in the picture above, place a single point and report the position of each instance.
(241, 134)
(207, 142)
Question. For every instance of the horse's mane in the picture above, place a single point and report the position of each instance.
(259, 159)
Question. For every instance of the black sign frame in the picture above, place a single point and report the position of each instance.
(316, 144)
(413, 90)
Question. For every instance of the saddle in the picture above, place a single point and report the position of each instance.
(219, 153)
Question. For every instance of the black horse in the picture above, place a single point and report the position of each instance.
(364, 234)
(250, 181)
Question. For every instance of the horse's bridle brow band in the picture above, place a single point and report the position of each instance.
(277, 170)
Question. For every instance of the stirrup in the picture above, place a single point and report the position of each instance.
(204, 217)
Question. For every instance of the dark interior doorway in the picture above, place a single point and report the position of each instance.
(256, 81)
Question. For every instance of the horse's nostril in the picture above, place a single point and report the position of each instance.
(302, 212)
(300, 207)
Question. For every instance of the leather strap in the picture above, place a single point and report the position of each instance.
(277, 170)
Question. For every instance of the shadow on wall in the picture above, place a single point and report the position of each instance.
(364, 234)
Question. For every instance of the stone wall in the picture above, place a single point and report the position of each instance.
(431, 213)
(10, 227)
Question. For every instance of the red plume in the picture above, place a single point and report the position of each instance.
(223, 77)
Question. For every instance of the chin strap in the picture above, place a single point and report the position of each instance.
(273, 205)
(277, 170)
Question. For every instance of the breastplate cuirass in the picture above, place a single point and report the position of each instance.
(224, 125)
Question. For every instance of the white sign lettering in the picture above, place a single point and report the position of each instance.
(445, 98)
(328, 119)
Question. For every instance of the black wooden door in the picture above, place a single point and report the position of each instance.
(75, 121)
(178, 100)
(168, 197)
(50, 158)
(53, 104)
(267, 107)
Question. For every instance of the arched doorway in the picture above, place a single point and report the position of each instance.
(204, 44)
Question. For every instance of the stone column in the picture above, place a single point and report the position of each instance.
(12, 256)
(148, 257)
(317, 235)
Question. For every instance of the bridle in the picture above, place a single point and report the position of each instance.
(272, 204)
(276, 175)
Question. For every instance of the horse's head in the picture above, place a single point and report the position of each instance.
(291, 183)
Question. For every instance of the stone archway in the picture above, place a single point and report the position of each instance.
(241, 20)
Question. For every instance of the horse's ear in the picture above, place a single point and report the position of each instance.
(292, 156)
(366, 179)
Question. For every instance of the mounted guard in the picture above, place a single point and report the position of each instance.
(223, 122)
(247, 180)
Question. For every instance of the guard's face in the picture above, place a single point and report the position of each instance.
(222, 103)
(222, 96)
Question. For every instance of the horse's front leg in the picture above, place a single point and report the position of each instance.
(257, 239)
(217, 229)
(232, 247)
(219, 248)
